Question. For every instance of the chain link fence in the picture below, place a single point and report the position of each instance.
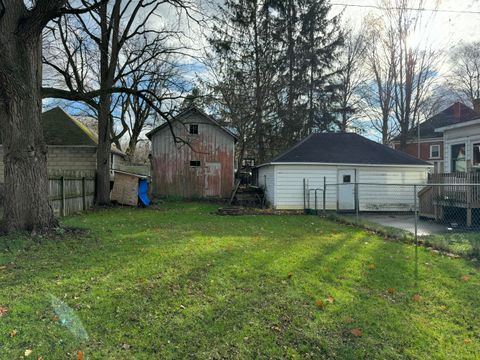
(443, 216)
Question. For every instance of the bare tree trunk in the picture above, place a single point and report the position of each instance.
(103, 152)
(26, 204)
(258, 96)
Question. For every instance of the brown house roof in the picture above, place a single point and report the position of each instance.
(454, 114)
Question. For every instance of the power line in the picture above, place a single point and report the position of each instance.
(412, 9)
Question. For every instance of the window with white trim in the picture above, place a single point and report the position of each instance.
(434, 151)
(476, 154)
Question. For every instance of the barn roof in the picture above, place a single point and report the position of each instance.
(185, 113)
(344, 148)
(454, 114)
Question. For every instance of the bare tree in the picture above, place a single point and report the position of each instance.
(93, 45)
(353, 77)
(404, 71)
(25, 153)
(465, 74)
(413, 72)
(378, 92)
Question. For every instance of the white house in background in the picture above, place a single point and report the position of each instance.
(342, 158)
(461, 146)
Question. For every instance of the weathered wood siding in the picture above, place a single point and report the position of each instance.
(288, 185)
(172, 174)
(71, 191)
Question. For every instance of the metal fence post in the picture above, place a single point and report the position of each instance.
(304, 199)
(62, 191)
(84, 194)
(416, 232)
(324, 195)
(357, 205)
(416, 213)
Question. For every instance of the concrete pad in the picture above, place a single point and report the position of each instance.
(407, 223)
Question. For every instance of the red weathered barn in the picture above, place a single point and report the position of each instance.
(200, 165)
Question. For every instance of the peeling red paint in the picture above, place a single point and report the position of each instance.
(172, 174)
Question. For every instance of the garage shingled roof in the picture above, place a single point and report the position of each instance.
(344, 148)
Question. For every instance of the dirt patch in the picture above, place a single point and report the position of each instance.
(239, 210)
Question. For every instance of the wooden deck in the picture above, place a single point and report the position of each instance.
(457, 190)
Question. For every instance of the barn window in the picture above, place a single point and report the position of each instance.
(194, 163)
(347, 178)
(194, 129)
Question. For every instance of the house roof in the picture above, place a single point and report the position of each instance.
(62, 129)
(345, 148)
(59, 128)
(454, 114)
(185, 113)
(459, 125)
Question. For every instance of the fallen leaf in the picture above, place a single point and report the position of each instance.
(276, 328)
(356, 332)
(3, 311)
(80, 355)
(330, 299)
(126, 346)
(348, 320)
(465, 278)
(13, 333)
(290, 275)
(320, 304)
(467, 341)
(371, 267)
(28, 352)
(391, 291)
(416, 297)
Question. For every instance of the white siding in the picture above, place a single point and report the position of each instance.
(467, 135)
(266, 180)
(391, 196)
(289, 186)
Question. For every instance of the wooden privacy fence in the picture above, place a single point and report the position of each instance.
(71, 192)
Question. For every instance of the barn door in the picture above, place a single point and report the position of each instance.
(346, 190)
(213, 179)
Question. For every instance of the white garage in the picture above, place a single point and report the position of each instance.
(347, 170)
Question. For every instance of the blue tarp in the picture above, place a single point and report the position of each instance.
(143, 192)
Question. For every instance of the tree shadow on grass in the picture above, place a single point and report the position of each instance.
(222, 289)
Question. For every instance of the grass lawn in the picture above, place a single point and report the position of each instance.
(180, 282)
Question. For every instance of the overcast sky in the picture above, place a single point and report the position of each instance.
(446, 26)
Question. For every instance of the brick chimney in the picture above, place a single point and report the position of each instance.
(457, 111)
(476, 105)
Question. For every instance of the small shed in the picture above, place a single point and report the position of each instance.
(201, 163)
(129, 189)
(340, 160)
